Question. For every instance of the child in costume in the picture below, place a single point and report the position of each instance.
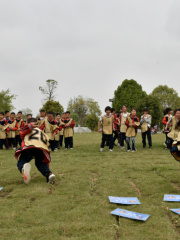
(34, 145)
(145, 122)
(175, 128)
(7, 115)
(68, 131)
(107, 122)
(13, 126)
(28, 116)
(123, 127)
(4, 129)
(62, 130)
(41, 119)
(117, 129)
(132, 124)
(58, 119)
(166, 119)
(50, 127)
(175, 151)
(20, 123)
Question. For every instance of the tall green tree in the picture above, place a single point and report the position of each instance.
(168, 97)
(53, 106)
(91, 122)
(128, 93)
(49, 89)
(6, 99)
(153, 104)
(82, 107)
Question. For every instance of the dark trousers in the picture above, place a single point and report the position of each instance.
(115, 136)
(12, 142)
(123, 138)
(28, 154)
(56, 144)
(18, 140)
(166, 137)
(2, 142)
(61, 140)
(169, 142)
(52, 144)
(175, 149)
(110, 137)
(69, 142)
(148, 134)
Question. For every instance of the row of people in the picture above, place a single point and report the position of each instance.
(124, 125)
(56, 129)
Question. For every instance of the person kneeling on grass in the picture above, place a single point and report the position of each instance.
(132, 124)
(34, 145)
(107, 128)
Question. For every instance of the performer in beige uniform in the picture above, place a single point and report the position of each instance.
(34, 145)
(123, 127)
(145, 121)
(175, 128)
(107, 122)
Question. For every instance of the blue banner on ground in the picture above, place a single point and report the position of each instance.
(1, 188)
(176, 210)
(124, 200)
(129, 214)
(171, 198)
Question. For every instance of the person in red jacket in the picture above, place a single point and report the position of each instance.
(132, 124)
(166, 119)
(13, 126)
(34, 145)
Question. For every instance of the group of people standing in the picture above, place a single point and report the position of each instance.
(55, 128)
(124, 125)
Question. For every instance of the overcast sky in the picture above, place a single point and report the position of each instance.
(88, 46)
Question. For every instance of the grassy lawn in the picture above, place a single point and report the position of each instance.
(76, 207)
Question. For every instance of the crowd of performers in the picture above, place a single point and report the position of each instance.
(36, 138)
(123, 126)
(55, 128)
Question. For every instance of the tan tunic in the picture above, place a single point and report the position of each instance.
(175, 129)
(68, 131)
(37, 138)
(107, 123)
(19, 127)
(12, 133)
(49, 129)
(131, 131)
(3, 131)
(144, 126)
(123, 127)
(40, 122)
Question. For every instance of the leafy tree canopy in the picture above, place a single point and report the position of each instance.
(82, 107)
(168, 97)
(128, 93)
(91, 122)
(53, 106)
(6, 99)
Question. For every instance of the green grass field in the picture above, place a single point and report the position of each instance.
(77, 207)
